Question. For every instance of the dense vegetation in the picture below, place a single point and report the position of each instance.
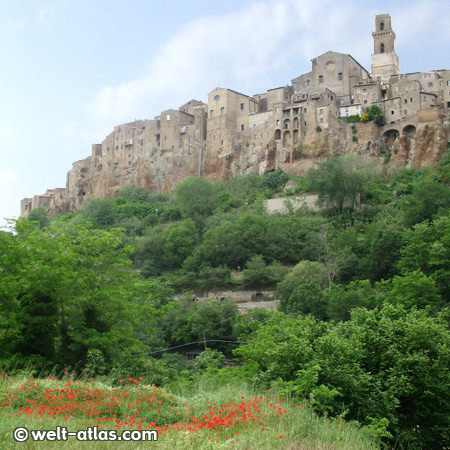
(362, 331)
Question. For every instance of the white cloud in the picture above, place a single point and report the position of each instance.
(47, 15)
(238, 50)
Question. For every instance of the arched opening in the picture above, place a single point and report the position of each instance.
(287, 139)
(389, 137)
(295, 137)
(287, 124)
(409, 131)
(277, 134)
(382, 48)
(382, 26)
(295, 124)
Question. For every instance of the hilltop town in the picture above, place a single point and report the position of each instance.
(291, 127)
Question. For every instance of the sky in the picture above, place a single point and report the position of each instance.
(72, 70)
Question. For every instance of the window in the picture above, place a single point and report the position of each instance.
(217, 97)
(340, 77)
(424, 99)
(278, 122)
(242, 106)
(392, 112)
(308, 82)
(267, 124)
(254, 127)
(365, 102)
(168, 117)
(320, 78)
(278, 110)
(211, 113)
(321, 111)
(382, 48)
(321, 120)
(242, 127)
(255, 137)
(358, 92)
(381, 26)
(430, 84)
(222, 110)
(304, 110)
(448, 82)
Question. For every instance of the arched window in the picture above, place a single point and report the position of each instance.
(382, 26)
(382, 48)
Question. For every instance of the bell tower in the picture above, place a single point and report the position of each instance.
(385, 61)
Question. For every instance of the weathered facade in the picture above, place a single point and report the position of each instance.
(291, 127)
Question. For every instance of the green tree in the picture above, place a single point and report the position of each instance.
(70, 288)
(149, 252)
(101, 212)
(304, 272)
(413, 290)
(341, 300)
(40, 215)
(373, 112)
(381, 253)
(307, 298)
(257, 274)
(179, 242)
(235, 243)
(274, 181)
(427, 249)
(340, 181)
(428, 200)
(196, 197)
(389, 367)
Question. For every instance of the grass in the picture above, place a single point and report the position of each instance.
(205, 417)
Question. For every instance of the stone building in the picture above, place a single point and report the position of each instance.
(385, 62)
(290, 127)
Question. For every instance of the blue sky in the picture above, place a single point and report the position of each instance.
(72, 70)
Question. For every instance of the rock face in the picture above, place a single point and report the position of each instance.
(414, 143)
(429, 145)
(165, 169)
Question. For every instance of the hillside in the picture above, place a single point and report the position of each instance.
(362, 279)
